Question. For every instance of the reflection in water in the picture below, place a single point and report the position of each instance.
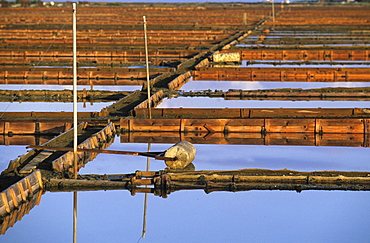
(18, 213)
(146, 197)
(199, 102)
(74, 216)
(253, 85)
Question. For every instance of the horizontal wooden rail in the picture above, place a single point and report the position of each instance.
(86, 76)
(303, 55)
(52, 116)
(251, 125)
(355, 94)
(284, 74)
(60, 95)
(255, 113)
(26, 56)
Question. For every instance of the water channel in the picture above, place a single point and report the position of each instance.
(267, 216)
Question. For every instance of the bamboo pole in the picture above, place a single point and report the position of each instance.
(75, 125)
(273, 13)
(155, 155)
(147, 69)
(74, 92)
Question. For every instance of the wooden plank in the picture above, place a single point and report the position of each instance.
(342, 125)
(290, 125)
(203, 112)
(290, 74)
(221, 113)
(301, 112)
(4, 205)
(39, 158)
(301, 55)
(254, 125)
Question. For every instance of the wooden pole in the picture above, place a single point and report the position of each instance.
(155, 155)
(75, 167)
(147, 69)
(273, 13)
(245, 19)
(75, 164)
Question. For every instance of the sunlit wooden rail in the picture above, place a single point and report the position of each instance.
(253, 125)
(229, 120)
(29, 57)
(284, 74)
(334, 94)
(87, 76)
(303, 54)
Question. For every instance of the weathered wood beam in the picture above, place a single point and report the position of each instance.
(61, 95)
(222, 113)
(322, 54)
(357, 94)
(239, 180)
(280, 74)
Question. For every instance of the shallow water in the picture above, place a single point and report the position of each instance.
(192, 216)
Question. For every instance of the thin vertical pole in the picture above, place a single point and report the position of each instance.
(245, 19)
(147, 69)
(273, 12)
(75, 169)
